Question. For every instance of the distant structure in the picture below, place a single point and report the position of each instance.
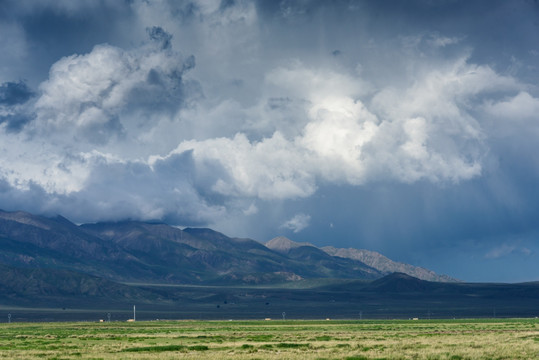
(134, 314)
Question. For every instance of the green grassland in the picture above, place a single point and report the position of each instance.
(275, 339)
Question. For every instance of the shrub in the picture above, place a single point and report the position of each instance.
(198, 347)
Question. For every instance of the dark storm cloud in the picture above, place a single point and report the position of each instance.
(114, 192)
(498, 31)
(165, 89)
(118, 186)
(158, 34)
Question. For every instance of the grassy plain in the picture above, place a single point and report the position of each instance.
(276, 339)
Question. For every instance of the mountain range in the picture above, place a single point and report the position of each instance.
(53, 263)
(132, 251)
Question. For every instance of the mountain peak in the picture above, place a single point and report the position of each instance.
(284, 245)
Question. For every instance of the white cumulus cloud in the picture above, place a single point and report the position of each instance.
(521, 106)
(425, 131)
(103, 93)
(297, 223)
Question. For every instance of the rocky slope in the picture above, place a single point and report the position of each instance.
(385, 265)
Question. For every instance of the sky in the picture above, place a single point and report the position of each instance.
(410, 128)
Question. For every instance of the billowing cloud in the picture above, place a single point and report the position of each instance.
(518, 107)
(424, 132)
(86, 101)
(269, 169)
(99, 94)
(113, 189)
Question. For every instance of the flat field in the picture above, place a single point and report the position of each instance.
(275, 339)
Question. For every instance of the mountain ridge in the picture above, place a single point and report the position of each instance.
(386, 265)
(152, 252)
